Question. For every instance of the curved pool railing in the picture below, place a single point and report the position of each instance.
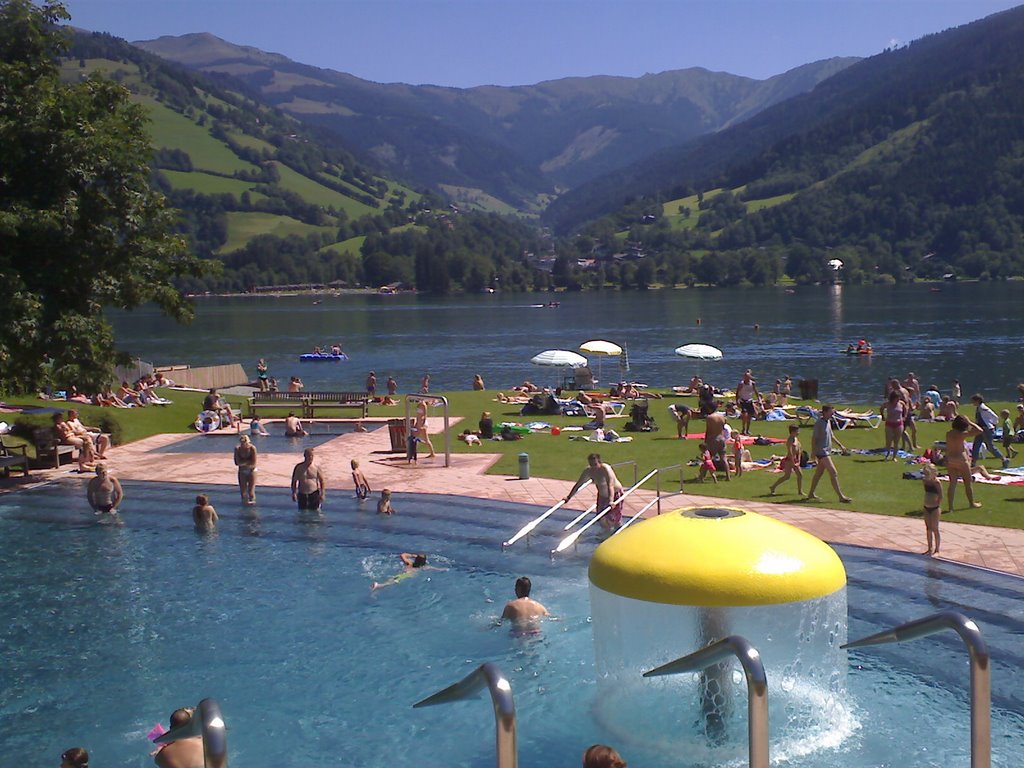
(981, 670)
(757, 686)
(207, 722)
(486, 676)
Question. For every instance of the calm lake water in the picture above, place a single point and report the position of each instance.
(967, 331)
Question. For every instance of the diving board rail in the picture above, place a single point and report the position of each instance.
(757, 686)
(208, 722)
(981, 670)
(486, 676)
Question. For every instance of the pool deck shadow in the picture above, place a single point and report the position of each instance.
(999, 549)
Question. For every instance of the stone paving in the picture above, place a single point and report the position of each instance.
(1000, 549)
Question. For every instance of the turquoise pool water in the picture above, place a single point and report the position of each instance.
(104, 629)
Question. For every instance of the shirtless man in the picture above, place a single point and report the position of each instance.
(715, 438)
(609, 489)
(67, 436)
(958, 458)
(245, 460)
(681, 414)
(308, 483)
(524, 612)
(182, 753)
(104, 492)
(204, 516)
(371, 384)
(746, 395)
(293, 427)
(101, 441)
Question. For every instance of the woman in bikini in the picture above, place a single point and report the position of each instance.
(932, 508)
(958, 458)
(893, 411)
(245, 460)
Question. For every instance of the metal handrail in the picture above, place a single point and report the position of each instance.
(636, 469)
(757, 686)
(981, 671)
(417, 398)
(579, 518)
(486, 675)
(527, 529)
(657, 483)
(207, 722)
(569, 540)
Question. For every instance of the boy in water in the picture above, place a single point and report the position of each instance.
(384, 505)
(359, 481)
(204, 516)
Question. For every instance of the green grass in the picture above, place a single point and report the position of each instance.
(753, 206)
(251, 142)
(243, 226)
(209, 185)
(351, 246)
(318, 194)
(172, 130)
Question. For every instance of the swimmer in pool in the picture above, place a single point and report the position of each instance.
(104, 492)
(308, 488)
(524, 612)
(413, 564)
(293, 427)
(359, 480)
(204, 516)
(384, 505)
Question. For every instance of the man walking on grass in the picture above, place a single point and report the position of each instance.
(821, 449)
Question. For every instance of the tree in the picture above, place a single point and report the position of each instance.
(80, 227)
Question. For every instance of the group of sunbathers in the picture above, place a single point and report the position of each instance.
(137, 395)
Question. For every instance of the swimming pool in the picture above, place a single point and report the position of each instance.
(320, 432)
(105, 629)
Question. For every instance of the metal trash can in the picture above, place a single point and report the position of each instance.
(396, 430)
(524, 466)
(808, 389)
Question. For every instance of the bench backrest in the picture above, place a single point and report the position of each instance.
(44, 438)
(278, 397)
(337, 397)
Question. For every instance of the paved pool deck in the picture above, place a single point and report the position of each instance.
(1000, 549)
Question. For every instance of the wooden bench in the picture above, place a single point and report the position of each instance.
(10, 458)
(49, 448)
(279, 400)
(318, 400)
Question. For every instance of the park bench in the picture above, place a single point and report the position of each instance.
(48, 446)
(319, 400)
(279, 400)
(10, 458)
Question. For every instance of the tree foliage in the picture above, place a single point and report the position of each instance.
(80, 228)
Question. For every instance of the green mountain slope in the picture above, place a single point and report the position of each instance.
(910, 163)
(514, 143)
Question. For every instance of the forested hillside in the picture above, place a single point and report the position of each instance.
(910, 163)
(277, 202)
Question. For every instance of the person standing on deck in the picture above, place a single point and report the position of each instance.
(821, 448)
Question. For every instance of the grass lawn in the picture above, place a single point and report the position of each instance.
(318, 194)
(243, 226)
(876, 486)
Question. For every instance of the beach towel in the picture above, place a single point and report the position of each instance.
(596, 439)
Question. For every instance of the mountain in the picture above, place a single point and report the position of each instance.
(520, 144)
(910, 163)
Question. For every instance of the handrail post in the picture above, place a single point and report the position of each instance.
(207, 722)
(757, 686)
(486, 675)
(981, 670)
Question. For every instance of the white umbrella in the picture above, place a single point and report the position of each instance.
(602, 349)
(559, 358)
(699, 352)
(835, 264)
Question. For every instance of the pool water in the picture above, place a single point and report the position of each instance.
(105, 629)
(320, 432)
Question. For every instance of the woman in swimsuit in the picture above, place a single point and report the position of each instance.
(932, 507)
(893, 412)
(958, 458)
(245, 460)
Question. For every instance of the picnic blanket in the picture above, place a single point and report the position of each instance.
(747, 439)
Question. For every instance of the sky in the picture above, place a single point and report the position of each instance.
(464, 43)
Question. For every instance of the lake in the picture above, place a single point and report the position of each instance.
(969, 331)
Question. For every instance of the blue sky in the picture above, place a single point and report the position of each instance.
(478, 42)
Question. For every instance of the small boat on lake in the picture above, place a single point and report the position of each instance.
(323, 357)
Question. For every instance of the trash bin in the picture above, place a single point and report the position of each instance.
(808, 389)
(396, 429)
(524, 466)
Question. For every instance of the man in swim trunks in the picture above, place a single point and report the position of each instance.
(524, 612)
(308, 483)
(182, 753)
(746, 394)
(821, 448)
(104, 492)
(715, 438)
(681, 413)
(293, 427)
(371, 384)
(609, 489)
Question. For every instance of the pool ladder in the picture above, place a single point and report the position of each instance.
(489, 676)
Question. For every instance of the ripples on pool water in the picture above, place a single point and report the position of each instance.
(104, 629)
